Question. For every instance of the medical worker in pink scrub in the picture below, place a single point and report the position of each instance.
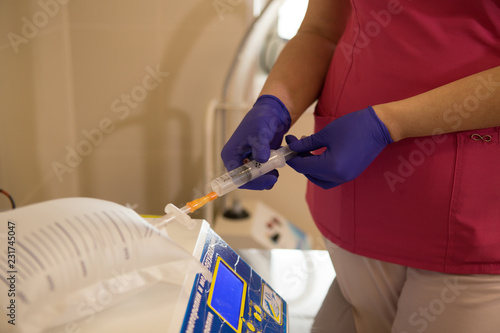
(404, 165)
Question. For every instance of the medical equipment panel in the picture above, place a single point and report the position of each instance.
(237, 299)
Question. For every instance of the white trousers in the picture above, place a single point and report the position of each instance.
(387, 297)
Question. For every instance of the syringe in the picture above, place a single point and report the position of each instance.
(249, 171)
(230, 181)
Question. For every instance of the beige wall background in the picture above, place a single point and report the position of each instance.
(106, 99)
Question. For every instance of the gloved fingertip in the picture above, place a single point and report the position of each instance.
(290, 138)
(269, 187)
(272, 177)
(247, 155)
(261, 155)
(264, 182)
(294, 144)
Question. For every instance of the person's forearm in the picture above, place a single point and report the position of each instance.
(469, 103)
(299, 73)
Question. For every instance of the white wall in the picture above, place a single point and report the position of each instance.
(69, 73)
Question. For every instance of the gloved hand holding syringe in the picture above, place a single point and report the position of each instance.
(232, 180)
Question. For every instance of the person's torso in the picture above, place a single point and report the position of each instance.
(431, 202)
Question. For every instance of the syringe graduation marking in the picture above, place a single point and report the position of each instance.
(250, 170)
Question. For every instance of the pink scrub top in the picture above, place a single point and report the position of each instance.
(432, 202)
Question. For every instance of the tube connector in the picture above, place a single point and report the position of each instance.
(200, 202)
(175, 213)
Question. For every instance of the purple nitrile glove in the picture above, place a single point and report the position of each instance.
(352, 142)
(261, 130)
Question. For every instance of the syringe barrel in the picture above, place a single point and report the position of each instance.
(249, 171)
